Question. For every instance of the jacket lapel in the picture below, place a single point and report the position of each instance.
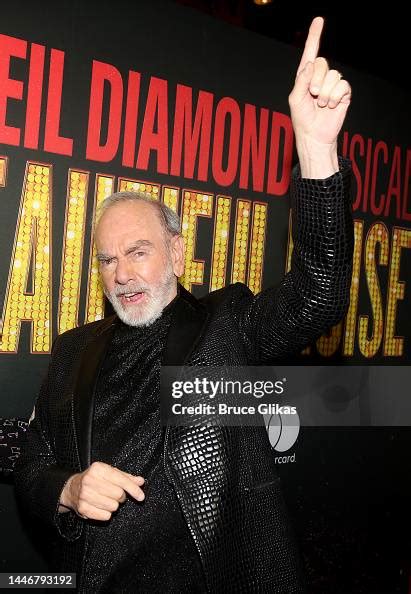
(188, 323)
(187, 326)
(83, 397)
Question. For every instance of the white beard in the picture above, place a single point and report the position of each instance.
(155, 300)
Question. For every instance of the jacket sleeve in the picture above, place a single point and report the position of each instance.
(38, 478)
(12, 432)
(314, 295)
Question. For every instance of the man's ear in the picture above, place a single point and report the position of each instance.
(177, 254)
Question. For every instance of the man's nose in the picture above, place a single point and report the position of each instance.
(124, 272)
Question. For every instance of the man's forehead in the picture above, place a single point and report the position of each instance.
(128, 247)
(134, 208)
(128, 214)
(129, 222)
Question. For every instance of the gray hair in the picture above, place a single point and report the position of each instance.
(169, 220)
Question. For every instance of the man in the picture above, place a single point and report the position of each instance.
(188, 509)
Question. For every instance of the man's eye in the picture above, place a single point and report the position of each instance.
(139, 254)
(106, 261)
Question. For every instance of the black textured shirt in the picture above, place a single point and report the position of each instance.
(145, 547)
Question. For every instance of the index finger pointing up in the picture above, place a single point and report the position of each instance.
(312, 43)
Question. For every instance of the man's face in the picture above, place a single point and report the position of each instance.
(139, 262)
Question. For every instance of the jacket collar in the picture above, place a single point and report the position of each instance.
(187, 326)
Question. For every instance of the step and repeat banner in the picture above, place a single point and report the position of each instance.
(157, 98)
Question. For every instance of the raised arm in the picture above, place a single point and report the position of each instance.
(314, 295)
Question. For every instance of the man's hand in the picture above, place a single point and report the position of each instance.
(318, 102)
(98, 491)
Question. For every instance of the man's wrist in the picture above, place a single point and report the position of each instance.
(65, 503)
(317, 161)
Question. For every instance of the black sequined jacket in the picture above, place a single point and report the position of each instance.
(224, 477)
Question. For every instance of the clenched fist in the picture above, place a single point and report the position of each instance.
(98, 491)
